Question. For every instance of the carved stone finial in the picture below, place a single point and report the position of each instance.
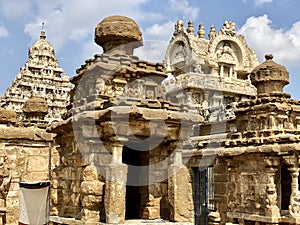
(201, 31)
(43, 33)
(269, 56)
(190, 28)
(212, 32)
(179, 27)
(269, 77)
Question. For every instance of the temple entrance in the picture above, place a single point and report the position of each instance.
(203, 194)
(286, 181)
(134, 191)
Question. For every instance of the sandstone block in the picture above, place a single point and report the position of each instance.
(92, 187)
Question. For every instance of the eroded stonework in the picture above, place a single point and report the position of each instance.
(216, 143)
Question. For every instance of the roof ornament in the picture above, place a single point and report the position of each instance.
(179, 27)
(212, 32)
(43, 33)
(190, 28)
(201, 31)
(228, 28)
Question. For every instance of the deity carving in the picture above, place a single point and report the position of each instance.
(228, 28)
(294, 207)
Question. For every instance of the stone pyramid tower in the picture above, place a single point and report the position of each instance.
(41, 77)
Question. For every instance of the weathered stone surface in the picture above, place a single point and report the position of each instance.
(179, 194)
(115, 192)
(118, 30)
(269, 77)
(92, 187)
(90, 173)
(36, 105)
(7, 116)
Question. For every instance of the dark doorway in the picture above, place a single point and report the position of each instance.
(286, 181)
(203, 194)
(134, 191)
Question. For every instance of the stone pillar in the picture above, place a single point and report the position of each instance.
(272, 209)
(115, 188)
(222, 71)
(91, 195)
(230, 71)
(294, 185)
(180, 191)
(294, 207)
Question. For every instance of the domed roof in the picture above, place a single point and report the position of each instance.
(7, 116)
(269, 77)
(36, 105)
(118, 29)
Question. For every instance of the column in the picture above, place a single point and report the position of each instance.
(294, 207)
(222, 71)
(115, 188)
(180, 191)
(272, 209)
(230, 71)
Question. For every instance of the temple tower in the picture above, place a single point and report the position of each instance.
(209, 74)
(41, 77)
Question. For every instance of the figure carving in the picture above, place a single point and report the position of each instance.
(271, 200)
(294, 208)
(228, 28)
(5, 179)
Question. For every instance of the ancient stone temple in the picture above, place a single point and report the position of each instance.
(207, 137)
(118, 145)
(41, 77)
(212, 74)
(256, 167)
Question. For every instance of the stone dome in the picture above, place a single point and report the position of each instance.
(269, 77)
(7, 116)
(115, 31)
(36, 105)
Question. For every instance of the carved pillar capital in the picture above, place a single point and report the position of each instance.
(291, 160)
(272, 161)
(117, 148)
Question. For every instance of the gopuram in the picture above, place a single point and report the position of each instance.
(205, 137)
(39, 78)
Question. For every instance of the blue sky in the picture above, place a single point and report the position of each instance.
(270, 26)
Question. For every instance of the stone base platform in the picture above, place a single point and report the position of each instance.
(55, 220)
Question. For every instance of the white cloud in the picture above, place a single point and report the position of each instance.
(153, 51)
(75, 19)
(160, 31)
(264, 39)
(184, 9)
(261, 2)
(3, 32)
(15, 9)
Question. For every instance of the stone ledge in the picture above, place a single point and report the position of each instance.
(72, 221)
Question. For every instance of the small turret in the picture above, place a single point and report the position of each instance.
(269, 77)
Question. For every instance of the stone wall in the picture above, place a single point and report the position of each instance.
(24, 156)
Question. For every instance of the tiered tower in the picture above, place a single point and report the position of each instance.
(40, 77)
(209, 74)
